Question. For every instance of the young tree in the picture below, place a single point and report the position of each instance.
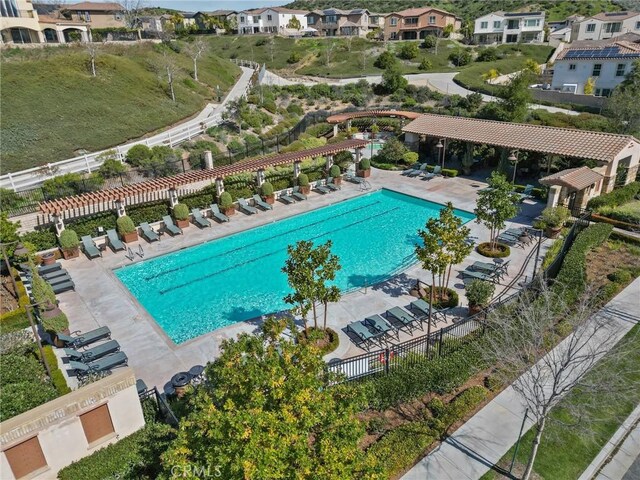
(294, 23)
(131, 12)
(327, 265)
(623, 107)
(409, 51)
(329, 52)
(491, 75)
(92, 50)
(516, 96)
(522, 344)
(268, 411)
(195, 51)
(234, 112)
(392, 79)
(168, 70)
(495, 205)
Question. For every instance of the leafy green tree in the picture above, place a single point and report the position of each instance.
(392, 151)
(266, 411)
(473, 101)
(429, 41)
(409, 51)
(162, 163)
(623, 107)
(384, 60)
(111, 168)
(294, 23)
(489, 54)
(516, 97)
(425, 64)
(138, 153)
(448, 30)
(495, 205)
(461, 57)
(8, 232)
(392, 79)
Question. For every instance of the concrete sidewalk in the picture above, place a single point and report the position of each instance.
(481, 442)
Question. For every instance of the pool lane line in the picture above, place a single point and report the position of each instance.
(253, 260)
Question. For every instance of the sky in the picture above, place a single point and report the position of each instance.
(209, 5)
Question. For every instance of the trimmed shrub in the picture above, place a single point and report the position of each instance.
(14, 320)
(303, 180)
(40, 239)
(266, 189)
(425, 64)
(57, 378)
(452, 301)
(334, 171)
(485, 250)
(449, 172)
(539, 193)
(384, 60)
(616, 197)
(89, 225)
(225, 200)
(57, 323)
(409, 51)
(42, 291)
(365, 164)
(479, 292)
(69, 239)
(125, 225)
(198, 200)
(181, 211)
(148, 212)
(137, 154)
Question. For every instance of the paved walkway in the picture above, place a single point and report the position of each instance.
(482, 441)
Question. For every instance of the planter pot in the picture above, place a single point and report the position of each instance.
(364, 173)
(305, 190)
(182, 223)
(474, 310)
(229, 211)
(68, 253)
(56, 341)
(552, 232)
(130, 237)
(337, 180)
(270, 199)
(48, 258)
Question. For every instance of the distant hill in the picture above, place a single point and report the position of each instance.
(469, 9)
(53, 109)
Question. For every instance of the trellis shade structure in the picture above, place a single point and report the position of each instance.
(604, 147)
(53, 207)
(343, 117)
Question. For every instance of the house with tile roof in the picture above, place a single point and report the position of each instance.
(269, 20)
(334, 22)
(601, 63)
(509, 27)
(417, 23)
(606, 25)
(96, 14)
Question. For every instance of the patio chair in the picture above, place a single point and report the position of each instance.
(403, 318)
(58, 280)
(198, 219)
(423, 308)
(527, 193)
(42, 270)
(363, 336)
(84, 339)
(351, 177)
(320, 188)
(50, 276)
(379, 324)
(436, 173)
(260, 203)
(171, 227)
(510, 240)
(90, 247)
(485, 267)
(415, 166)
(101, 365)
(244, 206)
(114, 241)
(331, 185)
(297, 194)
(477, 275)
(417, 171)
(217, 214)
(94, 353)
(286, 198)
(63, 287)
(148, 233)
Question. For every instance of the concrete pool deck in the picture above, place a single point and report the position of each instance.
(101, 299)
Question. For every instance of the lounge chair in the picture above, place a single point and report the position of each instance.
(478, 275)
(363, 336)
(423, 308)
(263, 205)
(94, 353)
(297, 194)
(436, 173)
(380, 325)
(148, 233)
(415, 166)
(286, 198)
(198, 219)
(63, 287)
(320, 188)
(527, 193)
(41, 270)
(217, 214)
(101, 365)
(510, 240)
(58, 280)
(246, 207)
(51, 275)
(485, 267)
(90, 247)
(351, 177)
(114, 241)
(84, 339)
(331, 185)
(171, 227)
(418, 171)
(403, 318)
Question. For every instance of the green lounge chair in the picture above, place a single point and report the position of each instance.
(263, 205)
(331, 185)
(286, 198)
(114, 241)
(63, 287)
(363, 336)
(478, 275)
(198, 219)
(84, 339)
(50, 276)
(403, 318)
(379, 324)
(436, 173)
(423, 308)
(94, 353)
(485, 267)
(320, 188)
(351, 177)
(415, 166)
(527, 193)
(101, 365)
(248, 209)
(418, 171)
(171, 227)
(90, 247)
(297, 194)
(217, 214)
(148, 233)
(42, 270)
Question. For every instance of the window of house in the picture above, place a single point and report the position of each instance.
(533, 22)
(637, 25)
(311, 20)
(484, 25)
(606, 92)
(591, 28)
(394, 21)
(432, 20)
(394, 36)
(241, 19)
(269, 17)
(331, 19)
(497, 24)
(86, 16)
(411, 21)
(572, 66)
(256, 18)
(26, 458)
(97, 424)
(598, 91)
(596, 70)
(513, 24)
(620, 70)
(613, 27)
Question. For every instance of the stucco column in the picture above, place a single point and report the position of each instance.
(58, 222)
(335, 130)
(120, 209)
(173, 197)
(358, 157)
(219, 186)
(328, 162)
(260, 177)
(60, 35)
(296, 169)
(208, 160)
(84, 36)
(553, 196)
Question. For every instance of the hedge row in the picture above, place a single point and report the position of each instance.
(615, 198)
(539, 193)
(446, 172)
(572, 278)
(14, 320)
(57, 378)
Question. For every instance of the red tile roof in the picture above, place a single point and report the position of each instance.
(573, 178)
(520, 136)
(95, 7)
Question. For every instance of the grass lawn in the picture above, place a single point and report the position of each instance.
(52, 108)
(566, 452)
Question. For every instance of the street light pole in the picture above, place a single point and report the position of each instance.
(35, 334)
(513, 158)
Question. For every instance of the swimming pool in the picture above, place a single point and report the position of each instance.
(194, 291)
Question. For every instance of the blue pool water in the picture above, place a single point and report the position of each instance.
(194, 291)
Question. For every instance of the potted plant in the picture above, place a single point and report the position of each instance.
(479, 294)
(226, 204)
(364, 168)
(552, 220)
(375, 129)
(181, 215)
(69, 244)
(335, 173)
(54, 322)
(303, 183)
(127, 229)
(266, 189)
(42, 292)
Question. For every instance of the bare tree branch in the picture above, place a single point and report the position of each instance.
(195, 51)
